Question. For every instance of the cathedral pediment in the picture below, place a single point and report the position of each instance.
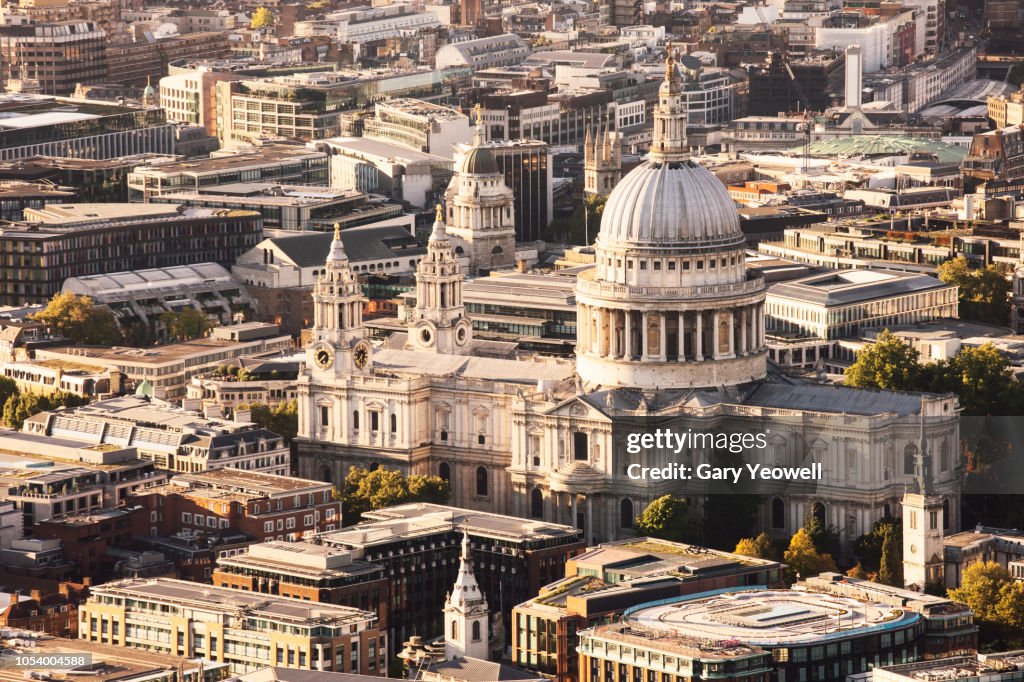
(577, 407)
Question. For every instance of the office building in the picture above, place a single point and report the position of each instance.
(171, 438)
(192, 97)
(418, 125)
(1004, 546)
(72, 240)
(419, 547)
(272, 163)
(841, 304)
(308, 571)
(31, 125)
(99, 181)
(294, 208)
(603, 582)
(484, 53)
(993, 667)
(16, 196)
(257, 504)
(246, 631)
(57, 55)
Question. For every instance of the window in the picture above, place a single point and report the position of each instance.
(778, 513)
(444, 470)
(325, 416)
(476, 631)
(355, 420)
(580, 446)
(536, 504)
(268, 527)
(455, 630)
(374, 420)
(186, 517)
(626, 513)
(481, 481)
(394, 423)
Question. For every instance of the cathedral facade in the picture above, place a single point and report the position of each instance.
(670, 335)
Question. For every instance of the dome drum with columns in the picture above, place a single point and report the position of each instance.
(669, 303)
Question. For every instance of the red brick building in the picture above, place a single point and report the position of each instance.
(54, 614)
(258, 505)
(87, 538)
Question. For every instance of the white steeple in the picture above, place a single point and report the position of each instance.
(439, 322)
(668, 144)
(337, 302)
(466, 613)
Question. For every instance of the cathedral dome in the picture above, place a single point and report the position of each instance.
(665, 204)
(478, 161)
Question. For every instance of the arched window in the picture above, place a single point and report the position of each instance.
(778, 513)
(887, 511)
(496, 250)
(394, 423)
(355, 420)
(909, 460)
(455, 629)
(818, 510)
(536, 504)
(445, 471)
(626, 513)
(325, 475)
(481, 482)
(476, 631)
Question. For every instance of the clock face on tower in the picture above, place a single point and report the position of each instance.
(323, 357)
(361, 355)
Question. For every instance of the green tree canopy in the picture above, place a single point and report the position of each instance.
(981, 378)
(868, 547)
(760, 547)
(365, 490)
(890, 569)
(21, 406)
(186, 324)
(665, 518)
(803, 558)
(76, 318)
(282, 419)
(984, 293)
(889, 363)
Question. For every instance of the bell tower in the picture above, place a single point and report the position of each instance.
(923, 548)
(602, 162)
(337, 314)
(466, 613)
(439, 322)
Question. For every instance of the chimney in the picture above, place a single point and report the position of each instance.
(854, 76)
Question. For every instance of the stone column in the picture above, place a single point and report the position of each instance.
(663, 347)
(682, 336)
(589, 534)
(744, 316)
(602, 334)
(643, 335)
(698, 353)
(572, 509)
(714, 337)
(628, 334)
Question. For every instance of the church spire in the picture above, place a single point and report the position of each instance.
(337, 254)
(438, 323)
(479, 133)
(466, 612)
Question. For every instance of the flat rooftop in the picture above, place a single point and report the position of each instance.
(256, 482)
(768, 617)
(386, 150)
(225, 599)
(848, 287)
(246, 159)
(426, 110)
(979, 666)
(137, 410)
(420, 519)
(153, 355)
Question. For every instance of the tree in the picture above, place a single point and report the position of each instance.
(760, 547)
(803, 558)
(824, 536)
(76, 318)
(21, 406)
(984, 294)
(1010, 607)
(261, 18)
(889, 364)
(890, 570)
(580, 227)
(8, 387)
(665, 518)
(858, 572)
(432, 489)
(868, 547)
(982, 379)
(365, 490)
(980, 588)
(186, 324)
(283, 419)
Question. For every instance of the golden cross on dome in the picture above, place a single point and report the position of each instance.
(337, 230)
(670, 62)
(479, 114)
(439, 213)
